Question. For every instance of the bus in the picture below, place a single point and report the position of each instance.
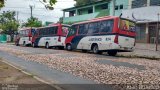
(50, 36)
(23, 37)
(109, 34)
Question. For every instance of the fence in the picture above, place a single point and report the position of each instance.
(5, 38)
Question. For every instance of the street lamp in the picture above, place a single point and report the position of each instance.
(157, 33)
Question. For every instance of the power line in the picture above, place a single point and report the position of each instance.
(39, 15)
(29, 8)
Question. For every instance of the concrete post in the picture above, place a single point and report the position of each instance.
(148, 3)
(114, 4)
(129, 4)
(93, 8)
(63, 14)
(76, 12)
(147, 32)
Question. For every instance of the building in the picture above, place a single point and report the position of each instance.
(93, 10)
(145, 12)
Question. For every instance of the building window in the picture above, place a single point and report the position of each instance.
(71, 13)
(154, 2)
(80, 12)
(140, 31)
(139, 3)
(116, 7)
(121, 6)
(90, 11)
(104, 6)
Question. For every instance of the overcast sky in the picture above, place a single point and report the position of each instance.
(39, 11)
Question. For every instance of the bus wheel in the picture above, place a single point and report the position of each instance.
(17, 44)
(112, 53)
(69, 47)
(47, 45)
(33, 45)
(24, 43)
(84, 51)
(95, 50)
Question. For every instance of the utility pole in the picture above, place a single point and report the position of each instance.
(17, 15)
(31, 7)
(157, 33)
(114, 4)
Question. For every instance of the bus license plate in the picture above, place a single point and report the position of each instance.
(125, 48)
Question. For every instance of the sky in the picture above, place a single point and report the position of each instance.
(39, 11)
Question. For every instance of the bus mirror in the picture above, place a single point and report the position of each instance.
(120, 15)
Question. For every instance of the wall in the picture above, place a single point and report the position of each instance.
(119, 2)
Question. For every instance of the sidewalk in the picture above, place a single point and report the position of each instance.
(144, 51)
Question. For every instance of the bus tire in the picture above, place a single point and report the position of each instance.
(112, 53)
(33, 45)
(24, 43)
(95, 49)
(47, 45)
(17, 44)
(69, 47)
(84, 51)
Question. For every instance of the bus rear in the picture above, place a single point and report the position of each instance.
(23, 37)
(126, 35)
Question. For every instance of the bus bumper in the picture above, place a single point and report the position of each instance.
(119, 48)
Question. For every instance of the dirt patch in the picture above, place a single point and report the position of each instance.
(13, 78)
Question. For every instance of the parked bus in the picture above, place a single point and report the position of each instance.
(23, 37)
(50, 36)
(105, 34)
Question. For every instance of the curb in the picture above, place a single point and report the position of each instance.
(140, 56)
(35, 77)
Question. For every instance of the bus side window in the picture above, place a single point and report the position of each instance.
(33, 31)
(106, 26)
(83, 29)
(40, 32)
(56, 30)
(93, 28)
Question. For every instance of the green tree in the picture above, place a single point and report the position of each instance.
(33, 22)
(1, 3)
(8, 22)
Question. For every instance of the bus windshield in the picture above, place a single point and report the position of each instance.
(72, 31)
(127, 25)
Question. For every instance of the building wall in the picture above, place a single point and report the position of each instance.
(125, 4)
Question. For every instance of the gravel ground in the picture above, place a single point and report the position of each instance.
(88, 66)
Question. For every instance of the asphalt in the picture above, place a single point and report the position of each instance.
(125, 64)
(65, 80)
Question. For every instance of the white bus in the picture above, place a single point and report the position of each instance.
(23, 37)
(50, 36)
(106, 34)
